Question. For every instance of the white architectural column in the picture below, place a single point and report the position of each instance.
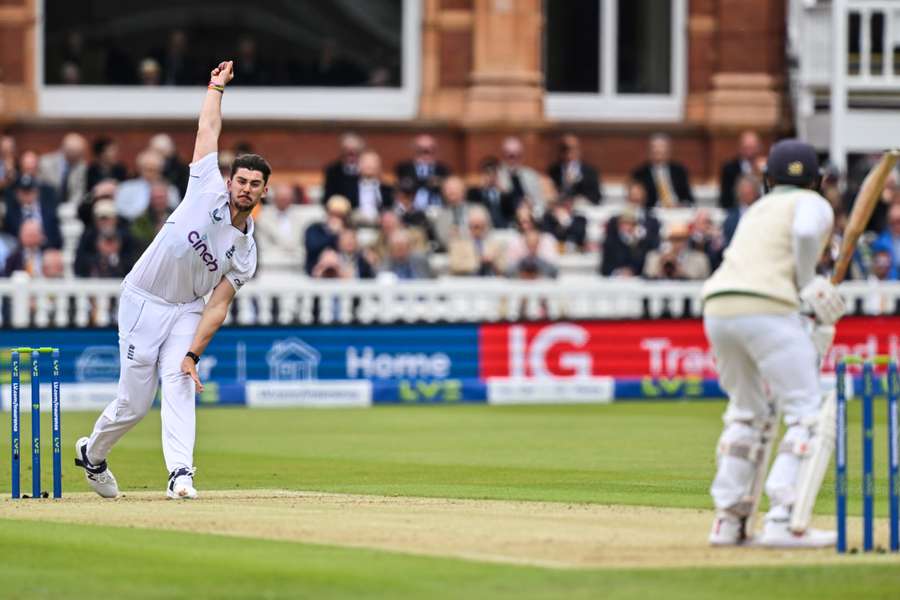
(839, 25)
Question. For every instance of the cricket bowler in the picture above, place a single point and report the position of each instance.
(164, 324)
(769, 319)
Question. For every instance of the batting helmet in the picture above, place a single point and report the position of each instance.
(792, 162)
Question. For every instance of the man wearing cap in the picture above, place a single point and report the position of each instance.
(767, 355)
(31, 200)
(106, 224)
(205, 248)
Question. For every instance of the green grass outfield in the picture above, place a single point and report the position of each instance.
(650, 454)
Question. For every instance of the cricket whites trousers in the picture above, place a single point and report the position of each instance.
(763, 358)
(154, 336)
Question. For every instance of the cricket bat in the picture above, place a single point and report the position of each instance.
(868, 197)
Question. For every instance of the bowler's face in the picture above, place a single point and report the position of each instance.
(246, 188)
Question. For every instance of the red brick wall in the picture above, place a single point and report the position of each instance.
(456, 58)
(751, 35)
(12, 66)
(456, 4)
(616, 150)
(702, 50)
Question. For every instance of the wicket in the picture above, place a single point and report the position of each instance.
(15, 437)
(868, 439)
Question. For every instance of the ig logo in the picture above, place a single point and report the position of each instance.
(530, 360)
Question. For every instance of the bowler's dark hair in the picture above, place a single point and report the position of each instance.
(254, 162)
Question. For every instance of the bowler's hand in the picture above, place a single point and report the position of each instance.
(222, 74)
(188, 367)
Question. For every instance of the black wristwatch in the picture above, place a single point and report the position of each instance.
(193, 356)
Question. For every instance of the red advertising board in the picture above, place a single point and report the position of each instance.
(659, 348)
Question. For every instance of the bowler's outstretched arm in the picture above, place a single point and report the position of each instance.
(210, 124)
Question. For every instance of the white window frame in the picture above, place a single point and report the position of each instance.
(114, 102)
(612, 106)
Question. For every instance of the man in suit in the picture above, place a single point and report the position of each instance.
(565, 224)
(629, 237)
(425, 171)
(174, 170)
(106, 163)
(371, 195)
(746, 192)
(176, 60)
(745, 163)
(453, 218)
(28, 255)
(402, 261)
(353, 262)
(413, 217)
(133, 195)
(95, 241)
(66, 169)
(280, 226)
(666, 182)
(474, 250)
(322, 235)
(342, 175)
(573, 177)
(500, 205)
(29, 200)
(522, 182)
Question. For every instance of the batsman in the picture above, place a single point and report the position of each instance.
(769, 319)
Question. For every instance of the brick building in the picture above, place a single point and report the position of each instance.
(472, 71)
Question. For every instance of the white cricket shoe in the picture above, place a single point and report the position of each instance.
(777, 534)
(99, 477)
(727, 530)
(181, 484)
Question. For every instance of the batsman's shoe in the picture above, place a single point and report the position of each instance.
(181, 484)
(727, 530)
(99, 477)
(777, 534)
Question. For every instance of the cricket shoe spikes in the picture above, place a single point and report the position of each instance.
(181, 484)
(99, 477)
(777, 534)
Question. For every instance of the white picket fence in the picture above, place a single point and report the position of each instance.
(297, 300)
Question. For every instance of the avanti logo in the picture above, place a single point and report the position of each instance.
(198, 243)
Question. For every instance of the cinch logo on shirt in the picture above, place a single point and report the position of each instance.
(199, 244)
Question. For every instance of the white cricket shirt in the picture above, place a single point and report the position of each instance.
(197, 246)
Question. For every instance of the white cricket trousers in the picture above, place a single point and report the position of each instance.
(154, 336)
(760, 358)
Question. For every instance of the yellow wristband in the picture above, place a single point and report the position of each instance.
(218, 88)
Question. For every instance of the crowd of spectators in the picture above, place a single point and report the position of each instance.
(511, 219)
